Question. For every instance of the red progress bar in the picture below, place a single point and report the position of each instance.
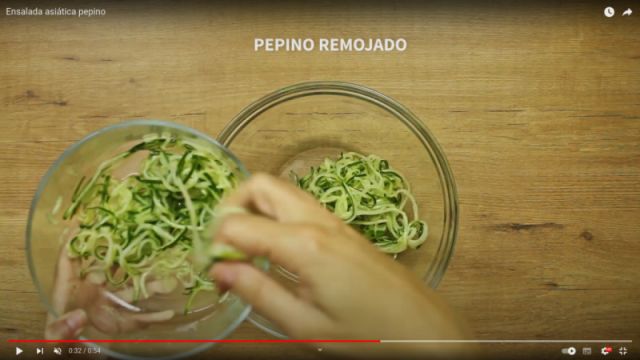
(96, 341)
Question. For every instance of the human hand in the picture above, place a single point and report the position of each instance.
(68, 326)
(347, 288)
(85, 302)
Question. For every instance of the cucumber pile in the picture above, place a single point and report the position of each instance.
(147, 225)
(365, 192)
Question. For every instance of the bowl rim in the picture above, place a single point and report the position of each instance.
(52, 170)
(445, 250)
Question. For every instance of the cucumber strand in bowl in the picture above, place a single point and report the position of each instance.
(365, 192)
(149, 224)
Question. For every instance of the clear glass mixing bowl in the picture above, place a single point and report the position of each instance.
(213, 318)
(298, 126)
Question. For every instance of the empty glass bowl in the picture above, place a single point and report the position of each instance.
(111, 314)
(298, 126)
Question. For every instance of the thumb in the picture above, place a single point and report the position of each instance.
(68, 326)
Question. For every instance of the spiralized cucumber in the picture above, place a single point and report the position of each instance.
(365, 192)
(149, 224)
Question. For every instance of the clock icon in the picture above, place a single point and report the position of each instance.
(609, 11)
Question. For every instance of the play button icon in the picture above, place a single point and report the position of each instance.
(18, 351)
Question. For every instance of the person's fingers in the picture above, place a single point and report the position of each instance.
(110, 320)
(277, 199)
(267, 297)
(285, 244)
(152, 317)
(160, 286)
(64, 281)
(124, 295)
(68, 326)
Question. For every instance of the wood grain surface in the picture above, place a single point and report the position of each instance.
(537, 107)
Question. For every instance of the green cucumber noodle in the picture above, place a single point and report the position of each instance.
(365, 192)
(147, 225)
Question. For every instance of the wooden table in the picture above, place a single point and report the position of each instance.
(536, 107)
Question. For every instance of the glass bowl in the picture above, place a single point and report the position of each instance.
(296, 127)
(212, 317)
